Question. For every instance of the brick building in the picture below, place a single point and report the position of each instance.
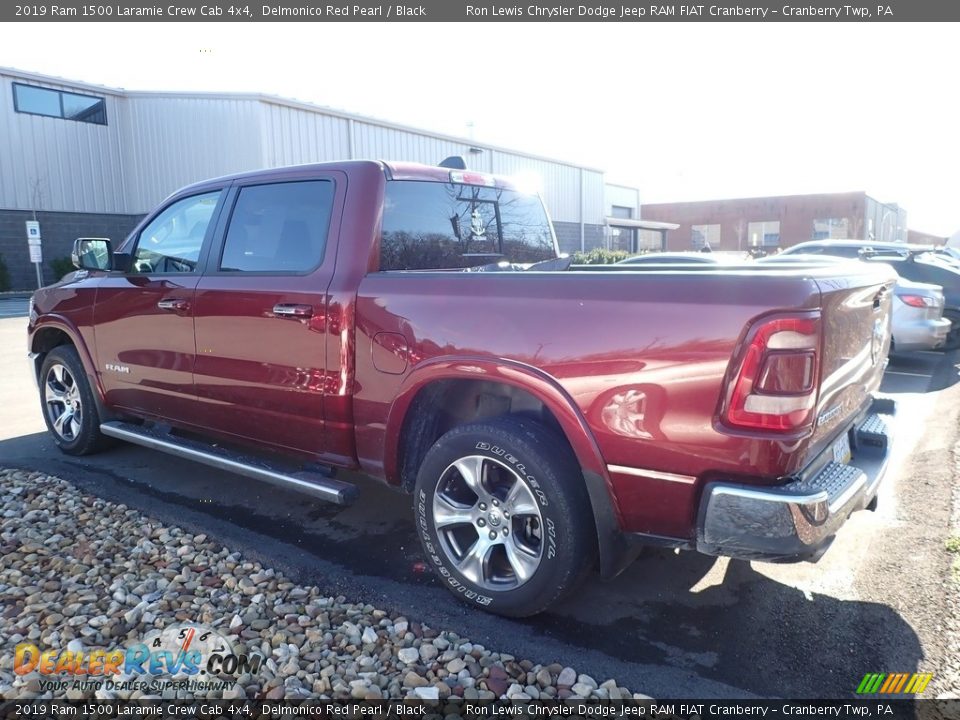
(922, 238)
(769, 223)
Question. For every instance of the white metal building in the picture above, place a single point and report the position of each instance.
(91, 160)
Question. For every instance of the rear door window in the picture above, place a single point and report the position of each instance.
(280, 227)
(433, 226)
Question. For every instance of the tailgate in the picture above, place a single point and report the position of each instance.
(855, 312)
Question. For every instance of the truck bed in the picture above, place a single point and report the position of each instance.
(660, 346)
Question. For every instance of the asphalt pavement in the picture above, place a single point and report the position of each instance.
(15, 306)
(673, 625)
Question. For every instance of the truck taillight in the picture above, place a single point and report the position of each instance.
(775, 386)
(918, 301)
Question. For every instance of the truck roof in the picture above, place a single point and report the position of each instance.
(393, 170)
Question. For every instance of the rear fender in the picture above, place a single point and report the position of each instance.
(613, 548)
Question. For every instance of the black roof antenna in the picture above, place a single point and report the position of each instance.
(454, 162)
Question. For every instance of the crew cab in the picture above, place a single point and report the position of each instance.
(417, 324)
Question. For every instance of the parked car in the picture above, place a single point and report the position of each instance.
(683, 258)
(917, 264)
(917, 318)
(541, 418)
(951, 256)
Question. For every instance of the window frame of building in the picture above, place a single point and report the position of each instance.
(710, 234)
(831, 223)
(235, 202)
(763, 234)
(61, 115)
(624, 236)
(650, 240)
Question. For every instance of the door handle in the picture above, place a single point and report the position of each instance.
(294, 311)
(175, 304)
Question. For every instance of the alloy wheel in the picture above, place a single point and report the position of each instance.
(63, 404)
(489, 523)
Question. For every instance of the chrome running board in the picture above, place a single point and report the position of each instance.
(316, 484)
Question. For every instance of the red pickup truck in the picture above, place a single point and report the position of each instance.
(415, 323)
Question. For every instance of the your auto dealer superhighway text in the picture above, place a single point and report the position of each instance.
(612, 12)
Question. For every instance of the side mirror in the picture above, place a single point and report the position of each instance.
(92, 254)
(98, 254)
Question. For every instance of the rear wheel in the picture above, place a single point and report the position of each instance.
(953, 337)
(503, 515)
(69, 408)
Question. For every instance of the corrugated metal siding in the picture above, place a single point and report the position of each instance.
(593, 206)
(157, 143)
(376, 142)
(291, 136)
(560, 186)
(55, 164)
(294, 136)
(624, 197)
(170, 142)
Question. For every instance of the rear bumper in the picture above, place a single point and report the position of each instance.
(921, 335)
(797, 521)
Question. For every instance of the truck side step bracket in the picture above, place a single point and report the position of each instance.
(320, 485)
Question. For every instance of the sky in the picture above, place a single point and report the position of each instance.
(683, 111)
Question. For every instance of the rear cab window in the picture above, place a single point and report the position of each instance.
(448, 226)
(278, 227)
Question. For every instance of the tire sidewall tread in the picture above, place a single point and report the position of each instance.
(89, 440)
(551, 471)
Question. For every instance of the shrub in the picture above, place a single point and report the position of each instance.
(61, 266)
(600, 256)
(4, 275)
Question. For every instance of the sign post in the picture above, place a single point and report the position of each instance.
(36, 249)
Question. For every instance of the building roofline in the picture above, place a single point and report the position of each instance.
(762, 197)
(56, 80)
(641, 224)
(287, 102)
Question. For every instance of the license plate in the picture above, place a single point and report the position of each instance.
(841, 449)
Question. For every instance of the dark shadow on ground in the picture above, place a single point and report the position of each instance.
(748, 632)
(921, 372)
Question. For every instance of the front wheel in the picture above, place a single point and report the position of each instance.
(503, 515)
(69, 407)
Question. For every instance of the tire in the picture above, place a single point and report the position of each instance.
(68, 405)
(953, 337)
(503, 515)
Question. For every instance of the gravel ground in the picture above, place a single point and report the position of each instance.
(80, 573)
(946, 683)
